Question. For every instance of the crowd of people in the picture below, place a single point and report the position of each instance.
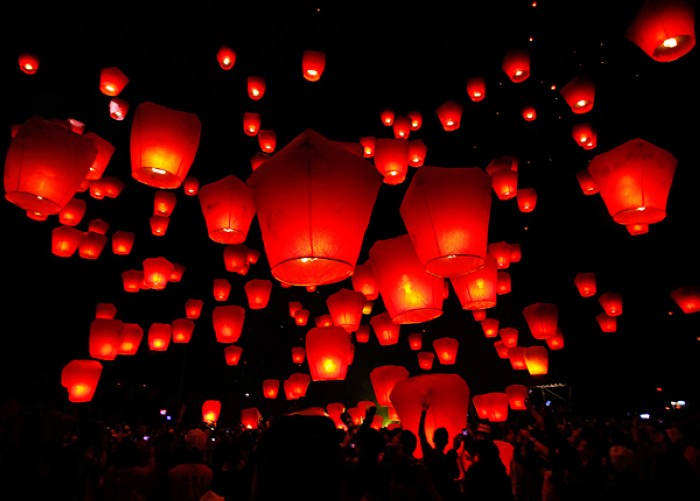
(535, 455)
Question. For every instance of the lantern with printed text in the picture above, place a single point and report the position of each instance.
(327, 351)
(383, 379)
(345, 307)
(313, 63)
(193, 308)
(416, 118)
(476, 88)
(527, 199)
(228, 322)
(362, 333)
(410, 294)
(28, 63)
(449, 403)
(122, 242)
(542, 319)
(226, 57)
(65, 240)
(105, 310)
(426, 359)
(664, 29)
(450, 115)
(364, 281)
(476, 290)
(415, 341)
(45, 165)
(159, 336)
(183, 329)
(391, 159)
(446, 350)
(118, 108)
(112, 81)
(387, 332)
(80, 378)
(504, 176)
(611, 303)
(156, 271)
(490, 327)
(271, 388)
(232, 354)
(211, 409)
(536, 360)
(73, 212)
(258, 293)
(314, 199)
(132, 335)
(446, 213)
(105, 338)
(298, 355)
(634, 180)
(579, 94)
(164, 142)
(517, 396)
(516, 64)
(585, 282)
(250, 418)
(687, 298)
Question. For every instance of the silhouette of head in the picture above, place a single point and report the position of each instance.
(408, 441)
(441, 438)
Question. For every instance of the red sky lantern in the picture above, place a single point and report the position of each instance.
(211, 410)
(446, 350)
(314, 199)
(497, 406)
(364, 281)
(105, 338)
(176, 273)
(299, 384)
(193, 308)
(250, 418)
(221, 289)
(298, 355)
(164, 203)
(426, 360)
(637, 229)
(402, 127)
(159, 225)
(228, 209)
(122, 242)
(98, 226)
(313, 63)
(324, 320)
(45, 165)
(73, 212)
(586, 283)
(449, 403)
(118, 108)
(501, 253)
(258, 293)
(586, 182)
(634, 180)
(504, 176)
(81, 378)
(159, 336)
(509, 336)
(542, 319)
(327, 353)
(476, 88)
(387, 116)
(112, 81)
(105, 310)
(251, 123)
(345, 307)
(105, 150)
(556, 342)
(415, 340)
(28, 63)
(606, 322)
(410, 294)
(65, 240)
(490, 327)
(232, 354)
(517, 396)
(256, 87)
(391, 159)
(357, 415)
(416, 118)
(481, 405)
(228, 322)
(450, 115)
(132, 335)
(664, 29)
(236, 258)
(687, 298)
(226, 57)
(387, 332)
(92, 245)
(257, 159)
(501, 349)
(267, 140)
(383, 379)
(476, 290)
(479, 315)
(417, 150)
(584, 135)
(529, 113)
(611, 303)
(335, 411)
(368, 143)
(301, 317)
(191, 186)
(271, 388)
(446, 213)
(294, 306)
(516, 355)
(516, 64)
(132, 280)
(527, 199)
(503, 283)
(156, 272)
(183, 329)
(579, 94)
(362, 333)
(537, 360)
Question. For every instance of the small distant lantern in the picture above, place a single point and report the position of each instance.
(516, 64)
(65, 240)
(542, 319)
(159, 225)
(527, 199)
(251, 123)
(232, 354)
(417, 150)
(294, 306)
(122, 242)
(132, 335)
(687, 298)
(516, 253)
(450, 115)
(301, 317)
(267, 140)
(606, 322)
(635, 229)
(415, 341)
(164, 203)
(362, 333)
(586, 183)
(402, 127)
(345, 307)
(579, 94)
(391, 159)
(182, 329)
(416, 118)
(479, 315)
(383, 379)
(193, 308)
(221, 289)
(256, 87)
(537, 360)
(490, 327)
(73, 212)
(446, 350)
(105, 310)
(368, 143)
(363, 281)
(271, 388)
(298, 355)
(584, 135)
(112, 81)
(92, 245)
(387, 115)
(176, 273)
(509, 336)
(28, 63)
(159, 336)
(611, 303)
(501, 349)
(118, 108)
(313, 63)
(387, 332)
(81, 378)
(164, 142)
(228, 322)
(211, 409)
(664, 30)
(556, 342)
(504, 176)
(517, 396)
(191, 186)
(105, 338)
(250, 418)
(426, 360)
(226, 57)
(501, 253)
(586, 283)
(235, 257)
(258, 293)
(529, 113)
(516, 355)
(327, 350)
(503, 283)
(156, 272)
(476, 290)
(324, 320)
(228, 208)
(98, 226)
(476, 88)
(132, 280)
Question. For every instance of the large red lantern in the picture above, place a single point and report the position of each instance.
(517, 396)
(314, 199)
(313, 63)
(226, 57)
(112, 81)
(228, 322)
(664, 29)
(687, 298)
(327, 351)
(80, 378)
(410, 294)
(537, 360)
(446, 350)
(391, 159)
(476, 88)
(164, 142)
(383, 379)
(228, 209)
(579, 94)
(387, 332)
(45, 165)
(446, 213)
(105, 338)
(449, 403)
(345, 308)
(504, 176)
(634, 180)
(542, 319)
(271, 388)
(586, 283)
(258, 293)
(159, 336)
(476, 290)
(516, 64)
(450, 115)
(211, 409)
(183, 328)
(611, 303)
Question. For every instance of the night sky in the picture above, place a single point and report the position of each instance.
(397, 56)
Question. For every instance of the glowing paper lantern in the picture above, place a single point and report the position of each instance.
(105, 338)
(517, 396)
(527, 199)
(228, 322)
(556, 342)
(250, 418)
(132, 335)
(687, 298)
(301, 317)
(501, 253)
(450, 115)
(81, 378)
(314, 200)
(211, 409)
(327, 353)
(45, 165)
(634, 180)
(391, 159)
(313, 63)
(476, 88)
(122, 242)
(586, 182)
(91, 245)
(193, 308)
(65, 240)
(502, 350)
(228, 209)
(529, 113)
(383, 379)
(251, 123)
(579, 94)
(410, 294)
(537, 360)
(105, 150)
(416, 118)
(324, 320)
(112, 81)
(118, 108)
(299, 384)
(368, 143)
(415, 341)
(258, 293)
(345, 307)
(503, 283)
(585, 135)
(509, 336)
(221, 289)
(73, 212)
(132, 280)
(497, 406)
(387, 332)
(446, 350)
(586, 283)
(481, 405)
(387, 116)
(28, 63)
(105, 310)
(516, 355)
(446, 213)
(298, 355)
(256, 87)
(159, 225)
(611, 303)
(271, 388)
(226, 57)
(159, 336)
(479, 315)
(417, 150)
(542, 319)
(425, 360)
(476, 290)
(267, 140)
(364, 281)
(504, 176)
(606, 322)
(362, 333)
(156, 272)
(164, 142)
(448, 408)
(664, 29)
(516, 64)
(635, 229)
(182, 328)
(402, 127)
(232, 354)
(490, 327)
